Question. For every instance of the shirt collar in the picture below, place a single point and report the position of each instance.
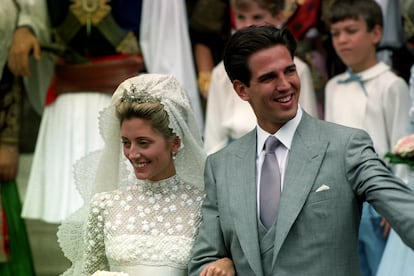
(284, 134)
(369, 73)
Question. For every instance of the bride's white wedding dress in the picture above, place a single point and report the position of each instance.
(143, 229)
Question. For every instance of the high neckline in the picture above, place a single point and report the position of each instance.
(161, 186)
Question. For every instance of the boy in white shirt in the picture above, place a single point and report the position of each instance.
(367, 96)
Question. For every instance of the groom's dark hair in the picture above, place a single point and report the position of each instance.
(246, 42)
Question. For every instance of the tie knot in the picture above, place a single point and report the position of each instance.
(271, 144)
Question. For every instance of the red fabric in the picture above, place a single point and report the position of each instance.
(5, 246)
(305, 17)
(51, 94)
(232, 19)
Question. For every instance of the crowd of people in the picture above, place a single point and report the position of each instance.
(159, 120)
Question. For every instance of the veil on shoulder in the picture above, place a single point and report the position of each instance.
(108, 169)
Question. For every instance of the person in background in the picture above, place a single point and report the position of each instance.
(398, 258)
(141, 220)
(210, 28)
(227, 116)
(304, 19)
(392, 35)
(15, 253)
(368, 96)
(304, 220)
(98, 44)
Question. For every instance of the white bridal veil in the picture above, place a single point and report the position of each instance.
(108, 169)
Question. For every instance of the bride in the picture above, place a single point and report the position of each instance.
(142, 220)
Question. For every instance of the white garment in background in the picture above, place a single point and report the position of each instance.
(68, 130)
(166, 46)
(70, 124)
(383, 113)
(8, 19)
(228, 117)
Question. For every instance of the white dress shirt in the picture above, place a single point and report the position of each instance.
(285, 136)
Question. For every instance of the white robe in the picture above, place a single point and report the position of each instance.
(383, 113)
(69, 127)
(8, 15)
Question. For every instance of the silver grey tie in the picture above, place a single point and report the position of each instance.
(269, 184)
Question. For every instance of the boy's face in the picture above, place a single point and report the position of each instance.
(274, 87)
(354, 44)
(255, 15)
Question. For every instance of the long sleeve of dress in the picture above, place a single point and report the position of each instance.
(95, 258)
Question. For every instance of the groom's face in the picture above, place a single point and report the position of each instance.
(274, 87)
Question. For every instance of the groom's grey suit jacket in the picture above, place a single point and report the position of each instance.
(331, 170)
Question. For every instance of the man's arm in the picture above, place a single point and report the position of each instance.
(23, 44)
(375, 183)
(209, 245)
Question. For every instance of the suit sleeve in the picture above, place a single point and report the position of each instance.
(374, 182)
(209, 245)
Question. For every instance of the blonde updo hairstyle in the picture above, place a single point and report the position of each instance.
(152, 112)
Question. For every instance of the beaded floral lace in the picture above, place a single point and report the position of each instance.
(130, 221)
(144, 224)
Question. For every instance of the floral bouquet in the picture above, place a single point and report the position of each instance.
(403, 152)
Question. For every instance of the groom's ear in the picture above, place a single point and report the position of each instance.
(240, 89)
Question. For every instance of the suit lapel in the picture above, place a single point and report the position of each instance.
(305, 157)
(243, 206)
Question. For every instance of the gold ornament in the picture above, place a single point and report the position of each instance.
(90, 11)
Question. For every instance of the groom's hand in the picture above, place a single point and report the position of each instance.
(221, 267)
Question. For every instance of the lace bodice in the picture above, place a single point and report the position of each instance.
(149, 223)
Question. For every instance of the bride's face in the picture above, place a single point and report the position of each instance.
(149, 152)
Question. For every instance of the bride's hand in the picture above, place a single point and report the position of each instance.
(221, 267)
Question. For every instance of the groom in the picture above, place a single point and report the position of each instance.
(327, 171)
